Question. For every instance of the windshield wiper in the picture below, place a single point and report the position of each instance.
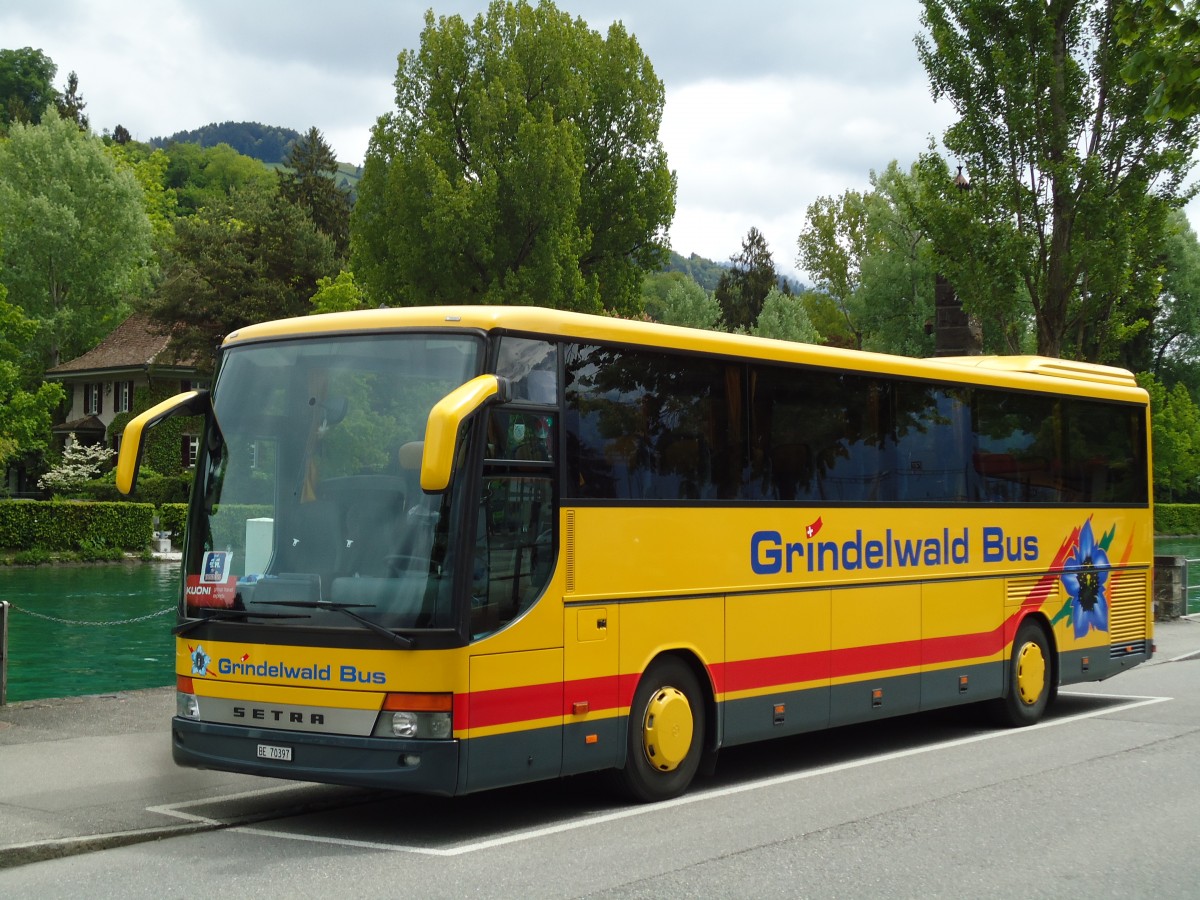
(223, 613)
(348, 610)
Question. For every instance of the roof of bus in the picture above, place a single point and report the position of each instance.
(1028, 372)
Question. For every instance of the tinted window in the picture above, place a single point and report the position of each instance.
(650, 426)
(1018, 447)
(817, 436)
(642, 425)
(932, 439)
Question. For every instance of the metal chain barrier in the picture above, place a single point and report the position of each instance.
(56, 619)
(7, 606)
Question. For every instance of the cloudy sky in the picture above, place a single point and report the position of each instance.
(770, 103)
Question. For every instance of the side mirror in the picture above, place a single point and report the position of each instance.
(133, 440)
(445, 420)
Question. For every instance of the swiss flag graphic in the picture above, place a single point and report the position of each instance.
(812, 529)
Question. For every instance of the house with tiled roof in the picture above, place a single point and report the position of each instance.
(101, 383)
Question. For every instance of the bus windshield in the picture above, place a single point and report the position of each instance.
(308, 505)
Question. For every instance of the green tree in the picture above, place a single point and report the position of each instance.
(1175, 440)
(1176, 329)
(784, 317)
(898, 273)
(692, 306)
(250, 257)
(1070, 182)
(744, 286)
(833, 245)
(521, 164)
(655, 287)
(70, 104)
(870, 255)
(149, 166)
(26, 85)
(309, 182)
(25, 409)
(205, 176)
(1166, 35)
(74, 236)
(338, 294)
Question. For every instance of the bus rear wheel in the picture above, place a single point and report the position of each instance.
(1029, 680)
(665, 732)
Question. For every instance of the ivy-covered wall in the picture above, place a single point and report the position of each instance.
(162, 453)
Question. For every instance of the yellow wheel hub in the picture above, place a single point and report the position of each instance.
(667, 729)
(1031, 673)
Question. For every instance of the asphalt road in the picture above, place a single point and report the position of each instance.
(1102, 799)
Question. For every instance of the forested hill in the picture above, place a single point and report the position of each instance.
(268, 143)
(707, 273)
(704, 272)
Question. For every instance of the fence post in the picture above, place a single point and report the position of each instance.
(1170, 587)
(3, 650)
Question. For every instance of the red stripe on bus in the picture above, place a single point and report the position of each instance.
(507, 706)
(504, 706)
(753, 674)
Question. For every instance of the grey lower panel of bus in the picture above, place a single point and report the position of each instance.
(333, 759)
(589, 746)
(760, 718)
(503, 759)
(1103, 662)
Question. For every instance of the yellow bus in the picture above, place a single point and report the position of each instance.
(448, 549)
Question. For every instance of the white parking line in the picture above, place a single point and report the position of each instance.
(699, 796)
(177, 809)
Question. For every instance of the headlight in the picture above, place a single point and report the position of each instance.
(404, 724)
(416, 716)
(187, 706)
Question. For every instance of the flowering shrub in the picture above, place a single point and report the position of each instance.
(80, 464)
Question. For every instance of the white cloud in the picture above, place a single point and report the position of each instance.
(757, 153)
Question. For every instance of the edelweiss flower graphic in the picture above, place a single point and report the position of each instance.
(1085, 575)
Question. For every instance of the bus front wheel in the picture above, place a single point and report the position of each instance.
(1029, 680)
(665, 732)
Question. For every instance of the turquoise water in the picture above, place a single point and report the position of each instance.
(54, 659)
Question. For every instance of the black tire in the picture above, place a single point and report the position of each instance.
(665, 733)
(1030, 679)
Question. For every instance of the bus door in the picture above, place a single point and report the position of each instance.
(516, 706)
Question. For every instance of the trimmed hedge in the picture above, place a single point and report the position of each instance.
(151, 488)
(172, 517)
(1177, 518)
(59, 526)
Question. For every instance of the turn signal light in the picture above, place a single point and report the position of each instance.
(419, 702)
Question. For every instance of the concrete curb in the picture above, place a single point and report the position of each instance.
(39, 851)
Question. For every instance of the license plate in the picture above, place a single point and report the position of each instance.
(267, 751)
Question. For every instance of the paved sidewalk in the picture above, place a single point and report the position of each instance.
(86, 773)
(83, 773)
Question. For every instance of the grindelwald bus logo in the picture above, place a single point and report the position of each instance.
(200, 660)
